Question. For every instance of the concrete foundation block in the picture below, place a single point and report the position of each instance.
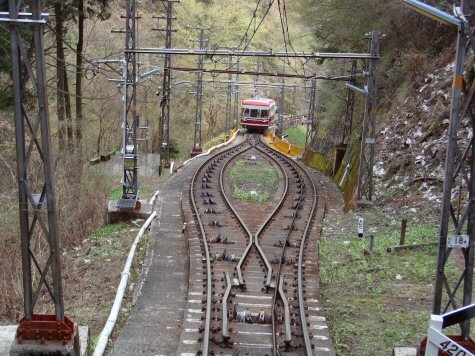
(115, 216)
(9, 346)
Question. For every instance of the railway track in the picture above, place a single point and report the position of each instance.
(248, 263)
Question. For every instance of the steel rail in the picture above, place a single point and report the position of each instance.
(256, 243)
(271, 216)
(288, 336)
(303, 319)
(206, 335)
(274, 331)
(225, 331)
(241, 222)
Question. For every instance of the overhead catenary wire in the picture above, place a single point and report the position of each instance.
(81, 96)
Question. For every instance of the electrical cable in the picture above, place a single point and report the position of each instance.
(80, 96)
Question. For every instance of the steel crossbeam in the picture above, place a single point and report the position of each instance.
(130, 124)
(37, 204)
(368, 137)
(248, 53)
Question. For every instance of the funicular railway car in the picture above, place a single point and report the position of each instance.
(258, 113)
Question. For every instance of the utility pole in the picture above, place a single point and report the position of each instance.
(236, 95)
(312, 126)
(293, 107)
(197, 143)
(229, 98)
(130, 155)
(280, 126)
(365, 174)
(164, 131)
(256, 78)
(350, 105)
(37, 204)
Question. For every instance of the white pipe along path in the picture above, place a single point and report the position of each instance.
(110, 323)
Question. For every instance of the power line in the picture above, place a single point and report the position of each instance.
(80, 96)
(253, 18)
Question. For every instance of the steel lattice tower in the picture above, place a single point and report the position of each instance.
(368, 137)
(458, 215)
(130, 123)
(312, 126)
(350, 105)
(166, 92)
(37, 204)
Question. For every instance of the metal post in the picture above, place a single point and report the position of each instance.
(312, 126)
(459, 170)
(236, 95)
(130, 154)
(197, 143)
(280, 126)
(293, 107)
(256, 78)
(166, 93)
(37, 209)
(368, 137)
(350, 104)
(229, 98)
(402, 239)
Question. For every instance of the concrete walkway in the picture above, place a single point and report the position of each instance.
(154, 326)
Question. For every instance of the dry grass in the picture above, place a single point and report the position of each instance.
(80, 206)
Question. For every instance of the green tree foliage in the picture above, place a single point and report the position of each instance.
(410, 39)
(340, 24)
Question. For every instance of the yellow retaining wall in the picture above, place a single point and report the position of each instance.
(282, 146)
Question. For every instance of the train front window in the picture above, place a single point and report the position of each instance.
(245, 112)
(254, 113)
(265, 113)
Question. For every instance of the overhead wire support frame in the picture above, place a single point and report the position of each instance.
(236, 94)
(247, 53)
(129, 199)
(37, 204)
(368, 136)
(457, 220)
(164, 131)
(280, 126)
(227, 124)
(197, 143)
(312, 126)
(350, 104)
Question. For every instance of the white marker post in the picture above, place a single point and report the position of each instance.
(360, 227)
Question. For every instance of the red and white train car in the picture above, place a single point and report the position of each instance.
(257, 113)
